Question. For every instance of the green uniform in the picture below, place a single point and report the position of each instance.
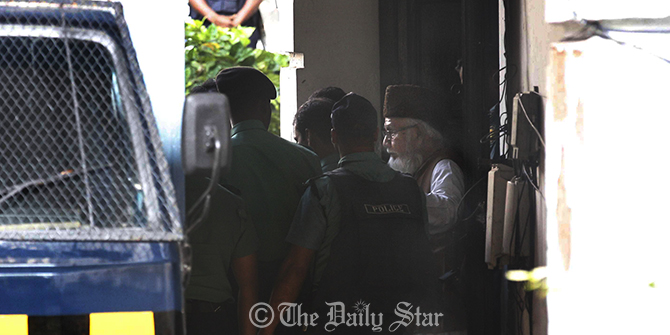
(329, 163)
(226, 234)
(317, 221)
(269, 172)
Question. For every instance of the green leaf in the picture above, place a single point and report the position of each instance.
(274, 123)
(517, 275)
(274, 78)
(208, 50)
(249, 61)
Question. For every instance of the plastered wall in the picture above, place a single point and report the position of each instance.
(340, 43)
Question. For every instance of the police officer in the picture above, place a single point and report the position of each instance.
(230, 13)
(364, 225)
(311, 127)
(268, 171)
(224, 243)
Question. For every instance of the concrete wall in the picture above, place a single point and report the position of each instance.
(607, 100)
(533, 43)
(340, 43)
(529, 43)
(581, 237)
(161, 58)
(607, 231)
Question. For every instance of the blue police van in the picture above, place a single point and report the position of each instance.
(91, 240)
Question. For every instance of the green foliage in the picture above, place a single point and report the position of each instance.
(208, 50)
(535, 279)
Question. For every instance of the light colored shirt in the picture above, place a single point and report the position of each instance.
(446, 191)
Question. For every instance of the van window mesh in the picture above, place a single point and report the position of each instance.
(80, 156)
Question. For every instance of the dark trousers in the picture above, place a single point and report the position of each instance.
(208, 318)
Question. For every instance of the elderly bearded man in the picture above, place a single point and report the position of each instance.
(421, 137)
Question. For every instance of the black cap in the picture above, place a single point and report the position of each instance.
(354, 116)
(245, 82)
(411, 101)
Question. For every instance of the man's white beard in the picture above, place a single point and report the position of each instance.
(407, 163)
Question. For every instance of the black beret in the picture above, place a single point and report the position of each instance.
(355, 116)
(245, 82)
(416, 102)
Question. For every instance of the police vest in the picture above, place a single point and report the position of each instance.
(381, 255)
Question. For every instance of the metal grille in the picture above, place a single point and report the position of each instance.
(80, 156)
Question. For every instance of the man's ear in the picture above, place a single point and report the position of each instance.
(418, 134)
(418, 130)
(333, 137)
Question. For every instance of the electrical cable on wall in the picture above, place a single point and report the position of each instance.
(499, 130)
(539, 136)
(458, 208)
(530, 180)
